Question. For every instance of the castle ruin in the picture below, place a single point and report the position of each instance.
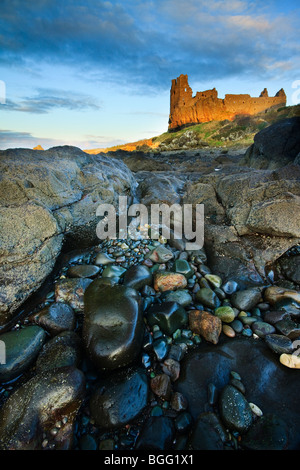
(205, 106)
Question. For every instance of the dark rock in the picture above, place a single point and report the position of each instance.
(113, 326)
(21, 347)
(208, 298)
(291, 268)
(246, 299)
(289, 306)
(55, 318)
(262, 329)
(83, 270)
(31, 412)
(235, 410)
(156, 434)
(288, 328)
(268, 433)
(212, 364)
(169, 316)
(183, 267)
(183, 422)
(275, 316)
(207, 434)
(275, 146)
(61, 351)
(279, 344)
(161, 386)
(178, 402)
(137, 277)
(119, 398)
(161, 348)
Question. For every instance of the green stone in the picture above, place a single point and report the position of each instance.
(208, 298)
(113, 271)
(181, 296)
(226, 314)
(183, 267)
(214, 280)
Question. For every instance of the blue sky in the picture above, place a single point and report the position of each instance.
(95, 73)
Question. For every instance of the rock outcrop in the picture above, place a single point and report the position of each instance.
(205, 106)
(46, 198)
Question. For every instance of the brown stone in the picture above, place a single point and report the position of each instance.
(161, 386)
(178, 401)
(205, 324)
(171, 368)
(274, 294)
(169, 281)
(205, 106)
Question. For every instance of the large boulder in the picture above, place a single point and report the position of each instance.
(47, 197)
(275, 146)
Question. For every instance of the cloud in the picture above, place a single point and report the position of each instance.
(45, 100)
(143, 45)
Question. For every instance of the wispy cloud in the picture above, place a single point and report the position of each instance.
(45, 100)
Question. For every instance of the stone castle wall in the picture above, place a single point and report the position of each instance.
(206, 106)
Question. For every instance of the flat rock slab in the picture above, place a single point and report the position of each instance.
(270, 385)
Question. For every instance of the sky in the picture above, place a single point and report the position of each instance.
(93, 73)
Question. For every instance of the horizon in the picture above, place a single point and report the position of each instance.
(97, 74)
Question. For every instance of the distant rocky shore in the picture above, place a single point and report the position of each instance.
(128, 345)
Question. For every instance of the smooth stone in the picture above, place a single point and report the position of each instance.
(290, 360)
(137, 277)
(212, 394)
(275, 316)
(228, 331)
(103, 259)
(220, 293)
(268, 433)
(238, 384)
(113, 271)
(71, 291)
(247, 332)
(156, 411)
(288, 328)
(205, 324)
(161, 386)
(255, 409)
(183, 422)
(237, 325)
(83, 270)
(214, 280)
(183, 267)
(279, 344)
(230, 287)
(55, 318)
(61, 351)
(32, 411)
(246, 299)
(166, 280)
(235, 410)
(208, 298)
(226, 314)
(182, 297)
(161, 349)
(113, 326)
(119, 399)
(156, 434)
(274, 294)
(262, 329)
(248, 320)
(169, 316)
(291, 268)
(176, 353)
(208, 433)
(171, 368)
(160, 254)
(21, 349)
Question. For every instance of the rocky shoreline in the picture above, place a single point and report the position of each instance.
(142, 344)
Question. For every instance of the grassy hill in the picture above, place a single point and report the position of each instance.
(230, 134)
